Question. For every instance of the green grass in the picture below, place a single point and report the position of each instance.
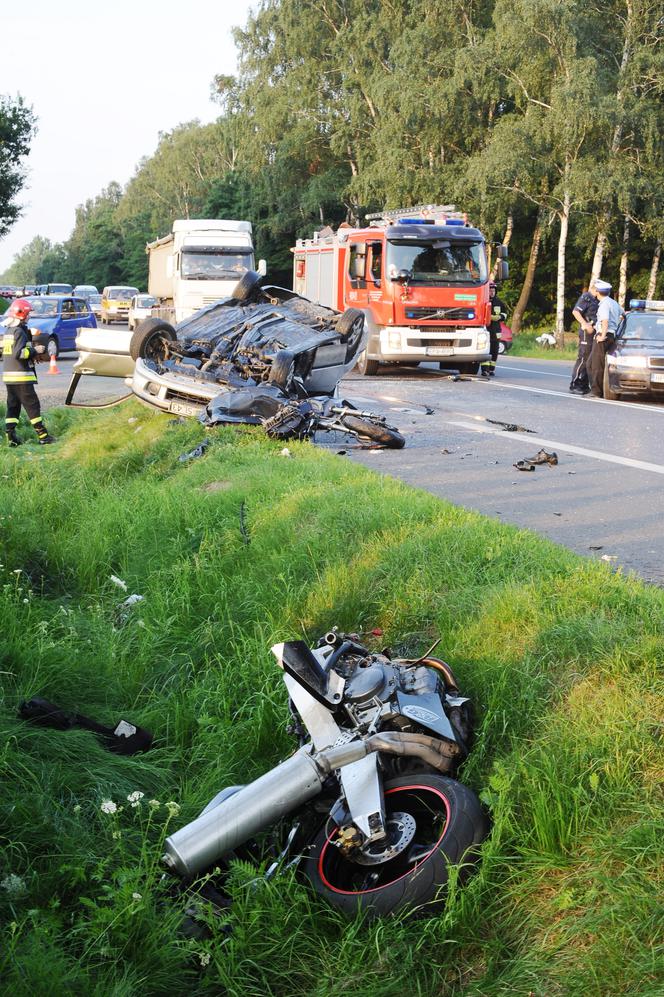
(524, 345)
(561, 657)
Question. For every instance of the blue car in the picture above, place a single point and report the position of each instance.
(58, 320)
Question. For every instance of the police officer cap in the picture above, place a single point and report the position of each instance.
(602, 286)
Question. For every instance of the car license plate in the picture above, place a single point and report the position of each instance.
(658, 378)
(439, 351)
(180, 408)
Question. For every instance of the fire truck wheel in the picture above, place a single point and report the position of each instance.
(469, 368)
(365, 366)
(246, 286)
(352, 321)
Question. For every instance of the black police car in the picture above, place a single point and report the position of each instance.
(636, 363)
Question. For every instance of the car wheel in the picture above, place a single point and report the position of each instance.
(150, 341)
(247, 285)
(609, 394)
(501, 347)
(365, 366)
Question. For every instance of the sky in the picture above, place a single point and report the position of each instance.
(104, 80)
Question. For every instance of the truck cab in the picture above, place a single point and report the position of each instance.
(421, 281)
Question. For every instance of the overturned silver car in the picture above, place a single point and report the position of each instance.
(266, 356)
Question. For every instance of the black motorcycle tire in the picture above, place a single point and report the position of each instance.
(449, 818)
(383, 436)
(151, 338)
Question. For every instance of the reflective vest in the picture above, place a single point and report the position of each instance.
(18, 356)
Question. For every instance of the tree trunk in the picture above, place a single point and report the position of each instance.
(509, 229)
(529, 280)
(654, 270)
(560, 289)
(622, 288)
(600, 246)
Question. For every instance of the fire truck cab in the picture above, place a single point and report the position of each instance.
(421, 277)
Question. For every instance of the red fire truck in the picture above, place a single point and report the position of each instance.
(421, 277)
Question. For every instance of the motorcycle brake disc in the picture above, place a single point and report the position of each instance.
(400, 829)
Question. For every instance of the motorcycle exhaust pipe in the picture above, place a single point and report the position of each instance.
(197, 845)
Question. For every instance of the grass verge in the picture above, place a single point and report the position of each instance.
(525, 346)
(242, 548)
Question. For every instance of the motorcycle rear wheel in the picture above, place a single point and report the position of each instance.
(450, 825)
(374, 432)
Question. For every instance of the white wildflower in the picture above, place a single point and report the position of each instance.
(154, 804)
(117, 835)
(108, 807)
(26, 601)
(17, 571)
(77, 808)
(204, 958)
(13, 884)
(173, 808)
(118, 581)
(135, 798)
(136, 896)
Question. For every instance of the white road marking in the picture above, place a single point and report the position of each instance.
(586, 399)
(531, 370)
(640, 465)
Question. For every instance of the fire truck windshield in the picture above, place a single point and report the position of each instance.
(437, 262)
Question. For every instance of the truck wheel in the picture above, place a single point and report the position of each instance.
(246, 286)
(469, 368)
(366, 366)
(151, 339)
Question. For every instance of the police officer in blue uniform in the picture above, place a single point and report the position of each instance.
(585, 312)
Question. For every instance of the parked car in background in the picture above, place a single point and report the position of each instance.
(140, 308)
(7, 291)
(84, 291)
(94, 300)
(53, 289)
(635, 365)
(58, 319)
(115, 302)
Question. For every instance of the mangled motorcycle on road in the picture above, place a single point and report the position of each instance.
(266, 356)
(377, 817)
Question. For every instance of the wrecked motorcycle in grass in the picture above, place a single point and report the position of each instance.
(266, 357)
(377, 817)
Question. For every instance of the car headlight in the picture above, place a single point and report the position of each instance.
(627, 361)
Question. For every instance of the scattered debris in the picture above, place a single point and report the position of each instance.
(131, 601)
(459, 377)
(600, 547)
(557, 514)
(196, 452)
(524, 465)
(510, 427)
(285, 452)
(543, 457)
(546, 339)
(446, 451)
(123, 739)
(132, 420)
(609, 557)
(341, 453)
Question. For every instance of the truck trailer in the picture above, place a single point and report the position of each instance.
(421, 277)
(198, 263)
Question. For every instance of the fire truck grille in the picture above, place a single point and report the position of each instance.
(436, 314)
(656, 362)
(440, 342)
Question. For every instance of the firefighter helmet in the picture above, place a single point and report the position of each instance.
(20, 309)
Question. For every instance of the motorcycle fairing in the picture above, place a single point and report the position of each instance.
(426, 709)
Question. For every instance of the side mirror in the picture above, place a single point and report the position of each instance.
(262, 267)
(502, 270)
(169, 266)
(501, 252)
(402, 276)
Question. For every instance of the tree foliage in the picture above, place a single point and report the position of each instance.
(17, 127)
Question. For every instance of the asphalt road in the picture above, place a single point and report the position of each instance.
(604, 499)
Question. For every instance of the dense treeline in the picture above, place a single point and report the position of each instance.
(544, 119)
(17, 127)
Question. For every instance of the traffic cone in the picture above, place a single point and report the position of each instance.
(53, 365)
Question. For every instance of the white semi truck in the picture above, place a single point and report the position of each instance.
(198, 263)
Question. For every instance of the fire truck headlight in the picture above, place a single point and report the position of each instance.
(394, 339)
(482, 340)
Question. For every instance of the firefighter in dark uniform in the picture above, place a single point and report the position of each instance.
(19, 375)
(585, 313)
(498, 316)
